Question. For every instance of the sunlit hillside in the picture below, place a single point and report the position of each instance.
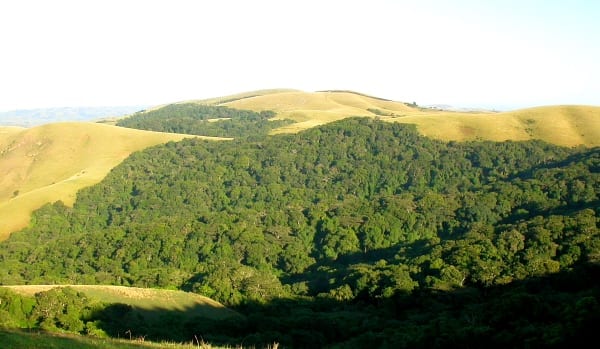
(52, 162)
(562, 125)
(317, 108)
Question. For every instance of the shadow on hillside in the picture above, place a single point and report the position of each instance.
(555, 311)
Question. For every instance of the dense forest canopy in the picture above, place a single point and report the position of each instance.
(357, 213)
(204, 120)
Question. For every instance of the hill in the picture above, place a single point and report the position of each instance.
(358, 231)
(561, 125)
(143, 299)
(52, 162)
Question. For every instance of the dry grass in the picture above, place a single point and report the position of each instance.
(318, 107)
(52, 162)
(561, 125)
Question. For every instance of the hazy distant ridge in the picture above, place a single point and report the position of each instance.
(35, 117)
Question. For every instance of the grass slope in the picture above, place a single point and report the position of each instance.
(317, 108)
(52, 162)
(561, 125)
(144, 299)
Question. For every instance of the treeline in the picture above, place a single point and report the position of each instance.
(340, 220)
(204, 120)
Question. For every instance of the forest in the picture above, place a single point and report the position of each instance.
(204, 120)
(353, 234)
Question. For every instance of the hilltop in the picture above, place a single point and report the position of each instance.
(53, 161)
(561, 125)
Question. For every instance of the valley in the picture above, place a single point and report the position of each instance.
(324, 219)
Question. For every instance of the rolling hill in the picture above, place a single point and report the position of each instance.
(561, 125)
(52, 162)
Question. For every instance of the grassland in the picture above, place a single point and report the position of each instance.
(52, 162)
(562, 125)
(144, 299)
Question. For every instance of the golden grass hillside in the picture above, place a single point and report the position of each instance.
(145, 299)
(317, 108)
(52, 162)
(561, 125)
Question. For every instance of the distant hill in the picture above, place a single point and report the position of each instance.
(40, 116)
(52, 162)
(562, 125)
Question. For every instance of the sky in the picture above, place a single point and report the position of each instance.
(500, 55)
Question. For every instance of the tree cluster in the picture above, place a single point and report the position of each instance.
(204, 120)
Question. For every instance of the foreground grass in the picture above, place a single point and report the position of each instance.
(15, 339)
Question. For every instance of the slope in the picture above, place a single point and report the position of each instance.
(51, 162)
(317, 108)
(561, 125)
(144, 299)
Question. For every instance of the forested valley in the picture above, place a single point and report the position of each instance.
(358, 233)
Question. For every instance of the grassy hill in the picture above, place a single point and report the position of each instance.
(52, 162)
(317, 108)
(151, 301)
(561, 125)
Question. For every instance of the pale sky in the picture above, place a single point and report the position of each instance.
(501, 54)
